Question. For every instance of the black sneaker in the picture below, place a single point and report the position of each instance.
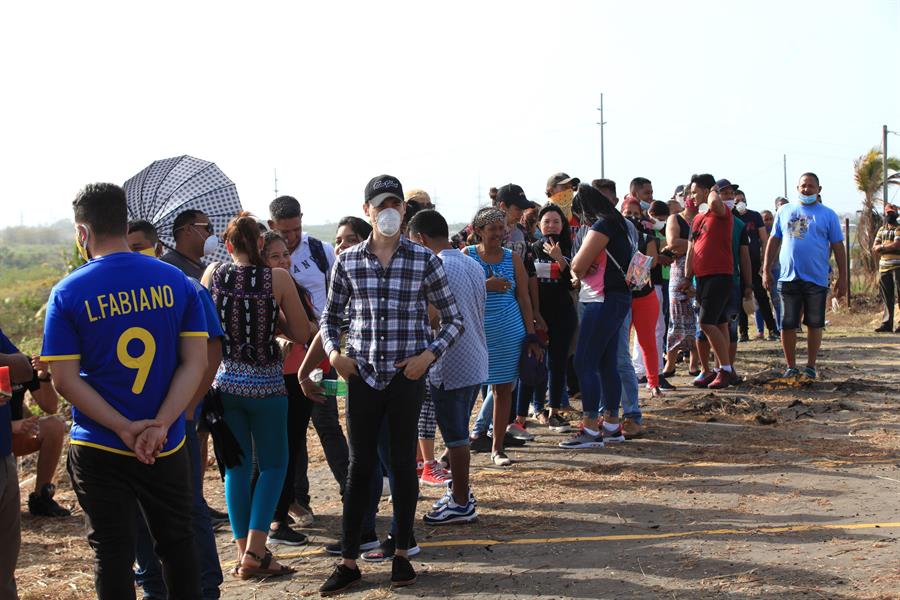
(342, 578)
(744, 338)
(511, 442)
(665, 385)
(286, 536)
(558, 425)
(642, 380)
(480, 444)
(217, 516)
(368, 541)
(402, 572)
(42, 504)
(388, 549)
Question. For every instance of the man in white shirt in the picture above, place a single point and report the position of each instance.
(311, 259)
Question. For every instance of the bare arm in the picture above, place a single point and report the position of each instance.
(674, 241)
(19, 367)
(840, 257)
(296, 325)
(772, 250)
(716, 204)
(535, 298)
(763, 240)
(522, 293)
(594, 243)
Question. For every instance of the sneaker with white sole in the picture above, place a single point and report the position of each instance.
(387, 550)
(518, 431)
(451, 513)
(369, 541)
(448, 496)
(558, 425)
(433, 474)
(612, 436)
(500, 459)
(286, 536)
(582, 439)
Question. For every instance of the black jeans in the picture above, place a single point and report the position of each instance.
(889, 284)
(398, 404)
(762, 298)
(110, 489)
(327, 423)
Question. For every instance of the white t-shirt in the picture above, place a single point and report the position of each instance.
(306, 272)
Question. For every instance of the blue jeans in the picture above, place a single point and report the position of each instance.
(630, 407)
(484, 422)
(148, 575)
(596, 357)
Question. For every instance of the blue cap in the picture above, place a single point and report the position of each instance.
(724, 183)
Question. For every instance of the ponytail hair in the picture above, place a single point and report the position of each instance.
(243, 234)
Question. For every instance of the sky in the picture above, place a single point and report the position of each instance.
(449, 97)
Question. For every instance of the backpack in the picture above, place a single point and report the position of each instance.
(317, 253)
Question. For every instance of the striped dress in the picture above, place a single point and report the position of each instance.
(503, 325)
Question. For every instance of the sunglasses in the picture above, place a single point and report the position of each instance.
(208, 226)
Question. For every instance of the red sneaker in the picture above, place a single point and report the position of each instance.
(704, 379)
(433, 474)
(723, 380)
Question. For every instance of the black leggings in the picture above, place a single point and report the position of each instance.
(398, 405)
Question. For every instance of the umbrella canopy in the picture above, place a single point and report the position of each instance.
(170, 186)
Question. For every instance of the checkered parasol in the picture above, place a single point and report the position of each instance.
(171, 186)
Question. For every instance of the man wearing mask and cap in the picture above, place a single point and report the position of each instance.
(804, 236)
(194, 239)
(561, 190)
(887, 246)
(385, 284)
(759, 237)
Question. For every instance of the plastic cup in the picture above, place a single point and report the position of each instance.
(5, 383)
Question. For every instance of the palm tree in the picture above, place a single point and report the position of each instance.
(868, 173)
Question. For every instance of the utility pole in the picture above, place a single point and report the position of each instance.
(884, 167)
(275, 176)
(601, 123)
(785, 175)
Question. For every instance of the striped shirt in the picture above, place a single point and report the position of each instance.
(388, 308)
(465, 362)
(889, 260)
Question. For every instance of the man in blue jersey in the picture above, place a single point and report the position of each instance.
(126, 338)
(143, 238)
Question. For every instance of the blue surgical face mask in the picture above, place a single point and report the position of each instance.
(809, 199)
(644, 205)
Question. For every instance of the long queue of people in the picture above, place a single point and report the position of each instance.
(529, 307)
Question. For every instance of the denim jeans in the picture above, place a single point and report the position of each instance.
(597, 357)
(382, 470)
(484, 422)
(629, 399)
(148, 575)
(776, 296)
(453, 409)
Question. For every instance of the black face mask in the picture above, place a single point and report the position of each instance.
(891, 218)
(637, 224)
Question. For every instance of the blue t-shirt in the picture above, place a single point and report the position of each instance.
(121, 316)
(213, 324)
(6, 347)
(807, 232)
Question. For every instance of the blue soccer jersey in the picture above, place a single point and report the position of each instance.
(121, 316)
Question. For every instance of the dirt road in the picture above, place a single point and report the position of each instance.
(754, 492)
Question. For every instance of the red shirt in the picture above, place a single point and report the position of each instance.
(711, 234)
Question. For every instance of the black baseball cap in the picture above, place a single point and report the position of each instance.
(381, 188)
(513, 195)
(679, 191)
(724, 183)
(559, 179)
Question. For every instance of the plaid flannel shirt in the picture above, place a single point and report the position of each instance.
(388, 308)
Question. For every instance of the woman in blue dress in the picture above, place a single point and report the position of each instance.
(508, 318)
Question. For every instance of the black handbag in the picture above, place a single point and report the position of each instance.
(228, 450)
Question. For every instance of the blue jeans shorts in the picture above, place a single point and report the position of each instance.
(453, 409)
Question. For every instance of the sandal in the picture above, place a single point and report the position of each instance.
(668, 374)
(500, 459)
(263, 570)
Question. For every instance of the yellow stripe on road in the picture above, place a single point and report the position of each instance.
(627, 537)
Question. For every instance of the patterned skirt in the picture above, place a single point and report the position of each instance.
(682, 319)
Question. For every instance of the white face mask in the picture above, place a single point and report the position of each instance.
(703, 208)
(210, 245)
(388, 222)
(658, 225)
(742, 207)
(729, 204)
